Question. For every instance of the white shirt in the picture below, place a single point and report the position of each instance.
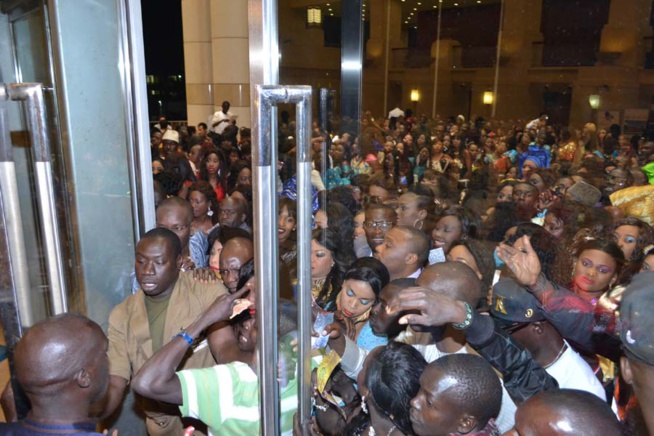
(219, 116)
(572, 372)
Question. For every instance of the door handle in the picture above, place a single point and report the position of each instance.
(266, 246)
(32, 95)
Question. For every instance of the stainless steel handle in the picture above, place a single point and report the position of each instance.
(32, 95)
(16, 265)
(266, 250)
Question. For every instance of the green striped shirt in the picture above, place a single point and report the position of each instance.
(226, 399)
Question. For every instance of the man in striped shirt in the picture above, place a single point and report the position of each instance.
(225, 397)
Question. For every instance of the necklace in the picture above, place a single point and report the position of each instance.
(372, 431)
(558, 356)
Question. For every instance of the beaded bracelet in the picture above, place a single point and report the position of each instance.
(182, 334)
(465, 324)
(541, 284)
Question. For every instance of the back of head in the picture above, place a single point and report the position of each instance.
(393, 379)
(477, 391)
(573, 412)
(52, 353)
(455, 279)
(173, 203)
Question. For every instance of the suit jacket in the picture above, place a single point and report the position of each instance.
(130, 344)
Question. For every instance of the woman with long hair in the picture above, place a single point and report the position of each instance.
(205, 206)
(330, 259)
(212, 170)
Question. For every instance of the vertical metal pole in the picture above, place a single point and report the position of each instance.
(264, 70)
(303, 135)
(13, 221)
(497, 59)
(32, 94)
(438, 58)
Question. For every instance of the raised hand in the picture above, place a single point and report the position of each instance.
(429, 308)
(525, 265)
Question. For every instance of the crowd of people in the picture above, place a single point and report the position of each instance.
(468, 278)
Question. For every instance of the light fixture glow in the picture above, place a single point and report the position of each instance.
(415, 94)
(594, 100)
(488, 97)
(314, 16)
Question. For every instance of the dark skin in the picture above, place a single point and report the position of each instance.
(235, 253)
(641, 376)
(156, 379)
(542, 340)
(63, 367)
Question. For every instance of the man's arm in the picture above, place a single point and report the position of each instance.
(157, 378)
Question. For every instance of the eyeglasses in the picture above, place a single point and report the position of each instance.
(382, 225)
(227, 212)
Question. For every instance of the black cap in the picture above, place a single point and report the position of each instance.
(636, 317)
(513, 304)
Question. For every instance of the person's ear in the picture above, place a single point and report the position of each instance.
(626, 370)
(422, 214)
(613, 280)
(179, 261)
(411, 258)
(466, 424)
(83, 378)
(537, 327)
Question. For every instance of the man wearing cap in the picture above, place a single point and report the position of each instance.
(170, 141)
(518, 314)
(221, 119)
(637, 336)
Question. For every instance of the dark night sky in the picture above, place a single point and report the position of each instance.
(162, 36)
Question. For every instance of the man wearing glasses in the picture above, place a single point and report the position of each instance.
(379, 219)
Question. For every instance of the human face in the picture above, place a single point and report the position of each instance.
(527, 168)
(285, 224)
(512, 173)
(648, 263)
(320, 220)
(322, 260)
(437, 148)
(212, 163)
(231, 262)
(337, 153)
(617, 180)
(176, 220)
(233, 157)
(380, 321)
(356, 298)
(169, 146)
(627, 239)
(448, 229)
(563, 184)
(407, 210)
(460, 253)
(246, 334)
(157, 167)
(424, 154)
(214, 256)
(156, 267)
(537, 181)
(553, 225)
(199, 203)
(594, 271)
(432, 411)
(421, 140)
(525, 197)
(393, 252)
(377, 223)
(505, 195)
(155, 139)
(359, 232)
(231, 214)
(378, 191)
(408, 139)
(244, 177)
(194, 154)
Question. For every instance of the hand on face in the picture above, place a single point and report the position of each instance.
(430, 308)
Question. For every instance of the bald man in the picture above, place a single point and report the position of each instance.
(176, 215)
(564, 412)
(62, 365)
(236, 253)
(233, 213)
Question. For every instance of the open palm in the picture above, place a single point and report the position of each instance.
(525, 265)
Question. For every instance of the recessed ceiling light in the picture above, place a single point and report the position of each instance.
(419, 3)
(456, 4)
(415, 9)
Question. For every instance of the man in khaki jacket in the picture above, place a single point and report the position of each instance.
(167, 301)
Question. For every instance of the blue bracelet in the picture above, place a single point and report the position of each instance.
(182, 334)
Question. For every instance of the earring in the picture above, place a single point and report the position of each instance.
(364, 406)
(210, 212)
